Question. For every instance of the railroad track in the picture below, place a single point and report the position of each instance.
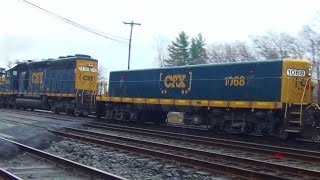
(46, 114)
(210, 161)
(41, 120)
(203, 130)
(293, 153)
(50, 164)
(7, 175)
(239, 166)
(239, 145)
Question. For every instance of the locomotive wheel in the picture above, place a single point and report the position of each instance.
(213, 124)
(281, 133)
(159, 117)
(70, 112)
(226, 126)
(83, 115)
(143, 116)
(56, 110)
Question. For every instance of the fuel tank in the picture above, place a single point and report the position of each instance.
(29, 103)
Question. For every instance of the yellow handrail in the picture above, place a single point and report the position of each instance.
(301, 102)
(286, 109)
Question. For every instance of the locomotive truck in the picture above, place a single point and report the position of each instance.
(262, 97)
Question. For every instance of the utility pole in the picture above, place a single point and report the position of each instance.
(131, 23)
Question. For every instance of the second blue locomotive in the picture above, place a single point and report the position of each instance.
(262, 97)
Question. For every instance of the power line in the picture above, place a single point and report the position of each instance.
(83, 27)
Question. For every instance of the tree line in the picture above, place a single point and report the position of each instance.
(272, 45)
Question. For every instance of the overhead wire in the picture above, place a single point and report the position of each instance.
(83, 27)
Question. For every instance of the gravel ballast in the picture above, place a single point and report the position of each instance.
(125, 164)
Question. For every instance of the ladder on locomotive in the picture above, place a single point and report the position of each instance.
(296, 112)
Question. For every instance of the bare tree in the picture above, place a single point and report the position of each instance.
(277, 45)
(216, 53)
(102, 71)
(160, 47)
(311, 41)
(244, 52)
(229, 52)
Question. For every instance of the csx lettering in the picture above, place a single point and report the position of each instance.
(175, 81)
(87, 78)
(37, 78)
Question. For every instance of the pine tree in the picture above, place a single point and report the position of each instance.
(198, 54)
(178, 51)
(194, 51)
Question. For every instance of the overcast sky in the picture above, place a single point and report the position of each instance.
(28, 33)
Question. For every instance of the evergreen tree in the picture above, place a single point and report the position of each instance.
(178, 51)
(198, 54)
(194, 51)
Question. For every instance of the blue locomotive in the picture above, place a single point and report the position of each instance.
(262, 97)
(66, 84)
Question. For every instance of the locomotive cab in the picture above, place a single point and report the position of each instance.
(297, 98)
(17, 78)
(2, 76)
(296, 81)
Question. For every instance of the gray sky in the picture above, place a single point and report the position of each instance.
(28, 33)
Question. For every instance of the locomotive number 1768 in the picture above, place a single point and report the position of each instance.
(235, 81)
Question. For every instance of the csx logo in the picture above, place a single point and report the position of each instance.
(37, 78)
(87, 78)
(175, 81)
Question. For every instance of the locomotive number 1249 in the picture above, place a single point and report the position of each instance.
(235, 81)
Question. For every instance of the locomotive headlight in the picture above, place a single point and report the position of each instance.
(310, 72)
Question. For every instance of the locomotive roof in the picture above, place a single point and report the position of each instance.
(67, 58)
(216, 64)
(60, 59)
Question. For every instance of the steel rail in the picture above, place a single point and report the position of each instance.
(7, 175)
(208, 165)
(231, 158)
(293, 153)
(92, 172)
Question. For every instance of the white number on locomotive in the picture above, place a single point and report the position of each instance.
(296, 72)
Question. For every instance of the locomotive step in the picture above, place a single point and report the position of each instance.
(300, 103)
(295, 122)
(297, 113)
(293, 129)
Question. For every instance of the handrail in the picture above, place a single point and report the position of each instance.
(301, 102)
(76, 95)
(286, 109)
